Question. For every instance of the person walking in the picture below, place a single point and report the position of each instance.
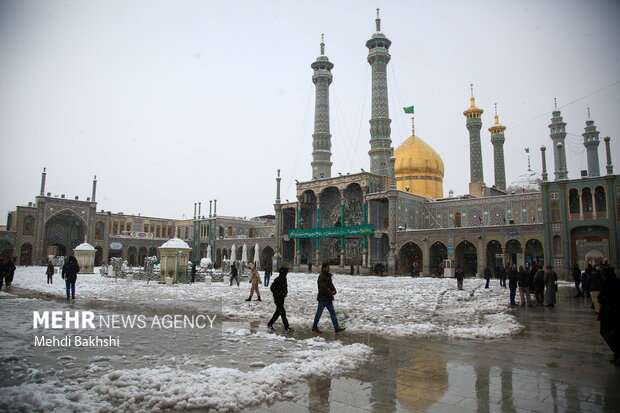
(325, 297)
(459, 274)
(268, 271)
(524, 281)
(234, 273)
(512, 276)
(69, 274)
(609, 312)
(487, 276)
(551, 286)
(49, 271)
(501, 274)
(576, 273)
(539, 285)
(595, 288)
(9, 272)
(279, 289)
(255, 281)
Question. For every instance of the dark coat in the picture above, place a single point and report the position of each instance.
(459, 274)
(525, 279)
(609, 298)
(487, 273)
(326, 287)
(279, 287)
(233, 270)
(50, 269)
(70, 270)
(9, 268)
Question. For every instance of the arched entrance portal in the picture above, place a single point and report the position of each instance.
(495, 258)
(438, 252)
(465, 255)
(132, 256)
(409, 254)
(514, 253)
(534, 252)
(266, 256)
(63, 231)
(141, 256)
(379, 249)
(589, 244)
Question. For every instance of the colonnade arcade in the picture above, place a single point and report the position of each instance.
(471, 255)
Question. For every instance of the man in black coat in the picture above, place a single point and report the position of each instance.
(69, 274)
(609, 313)
(279, 289)
(325, 297)
(487, 276)
(234, 273)
(9, 271)
(2, 271)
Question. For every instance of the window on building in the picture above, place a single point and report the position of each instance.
(28, 225)
(586, 200)
(600, 200)
(556, 246)
(229, 232)
(573, 201)
(555, 212)
(99, 230)
(555, 227)
(554, 195)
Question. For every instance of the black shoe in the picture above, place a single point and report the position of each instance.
(340, 329)
(259, 299)
(316, 330)
(73, 297)
(270, 328)
(289, 330)
(248, 299)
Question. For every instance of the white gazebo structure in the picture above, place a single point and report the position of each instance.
(174, 255)
(85, 256)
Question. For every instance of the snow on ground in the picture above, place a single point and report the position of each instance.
(397, 306)
(252, 368)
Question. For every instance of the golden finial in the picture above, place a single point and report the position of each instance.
(472, 99)
(496, 116)
(471, 87)
(412, 126)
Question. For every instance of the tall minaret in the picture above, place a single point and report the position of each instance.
(497, 139)
(558, 134)
(321, 138)
(474, 124)
(591, 142)
(380, 142)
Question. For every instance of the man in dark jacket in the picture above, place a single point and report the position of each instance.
(9, 271)
(487, 276)
(279, 289)
(234, 273)
(609, 313)
(576, 273)
(325, 297)
(69, 274)
(2, 271)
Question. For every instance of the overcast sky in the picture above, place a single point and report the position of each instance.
(171, 103)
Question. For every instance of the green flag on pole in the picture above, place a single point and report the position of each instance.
(408, 109)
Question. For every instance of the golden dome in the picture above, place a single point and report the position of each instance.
(418, 167)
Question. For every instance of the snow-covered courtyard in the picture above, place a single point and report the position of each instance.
(159, 369)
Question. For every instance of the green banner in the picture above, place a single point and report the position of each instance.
(332, 232)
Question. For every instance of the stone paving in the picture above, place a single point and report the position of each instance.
(559, 363)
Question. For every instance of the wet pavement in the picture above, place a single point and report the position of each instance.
(559, 363)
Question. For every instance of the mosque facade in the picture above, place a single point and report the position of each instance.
(383, 220)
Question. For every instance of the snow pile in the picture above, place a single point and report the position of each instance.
(165, 387)
(174, 243)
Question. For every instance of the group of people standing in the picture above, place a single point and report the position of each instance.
(7, 271)
(542, 282)
(69, 272)
(279, 290)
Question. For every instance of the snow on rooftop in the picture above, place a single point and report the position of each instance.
(175, 243)
(84, 247)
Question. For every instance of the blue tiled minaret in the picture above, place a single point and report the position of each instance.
(321, 138)
(474, 124)
(557, 130)
(591, 142)
(380, 141)
(497, 139)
